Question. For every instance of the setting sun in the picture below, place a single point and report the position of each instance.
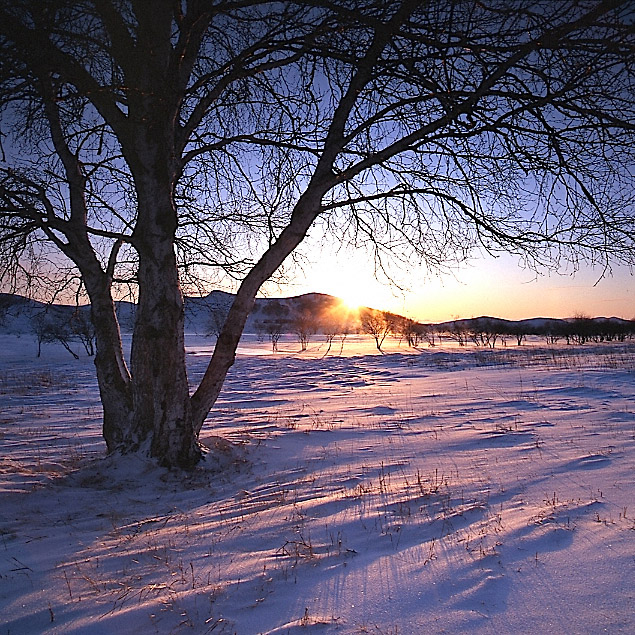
(350, 276)
(352, 296)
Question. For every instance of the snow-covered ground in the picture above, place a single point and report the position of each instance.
(446, 490)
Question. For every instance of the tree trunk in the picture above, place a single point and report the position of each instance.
(162, 412)
(161, 401)
(113, 377)
(147, 408)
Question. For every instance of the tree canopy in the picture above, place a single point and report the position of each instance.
(162, 146)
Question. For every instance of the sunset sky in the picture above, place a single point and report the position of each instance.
(463, 161)
(488, 286)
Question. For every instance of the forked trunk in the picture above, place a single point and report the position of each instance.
(162, 410)
(161, 400)
(147, 408)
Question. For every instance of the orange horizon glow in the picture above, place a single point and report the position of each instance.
(495, 287)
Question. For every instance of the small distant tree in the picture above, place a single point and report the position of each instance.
(274, 323)
(274, 330)
(306, 321)
(49, 328)
(428, 333)
(554, 332)
(337, 323)
(304, 326)
(458, 332)
(407, 329)
(611, 329)
(414, 332)
(378, 324)
(581, 329)
(331, 327)
(345, 329)
(485, 332)
(83, 329)
(218, 313)
(517, 330)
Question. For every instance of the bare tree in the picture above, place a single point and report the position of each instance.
(162, 144)
(82, 328)
(331, 328)
(218, 312)
(50, 327)
(458, 331)
(519, 331)
(337, 321)
(581, 329)
(378, 324)
(346, 329)
(485, 331)
(275, 322)
(274, 330)
(428, 333)
(334, 323)
(304, 326)
(306, 320)
(412, 331)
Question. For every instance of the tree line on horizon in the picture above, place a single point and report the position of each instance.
(310, 315)
(313, 314)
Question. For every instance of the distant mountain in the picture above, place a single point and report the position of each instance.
(17, 312)
(531, 325)
(204, 314)
(487, 330)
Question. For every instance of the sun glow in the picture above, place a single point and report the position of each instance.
(352, 280)
(489, 286)
(353, 297)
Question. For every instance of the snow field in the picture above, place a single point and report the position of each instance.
(445, 490)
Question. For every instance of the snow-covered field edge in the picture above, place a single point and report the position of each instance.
(442, 490)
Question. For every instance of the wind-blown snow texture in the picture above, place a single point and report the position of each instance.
(444, 490)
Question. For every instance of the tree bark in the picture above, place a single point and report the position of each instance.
(113, 377)
(162, 412)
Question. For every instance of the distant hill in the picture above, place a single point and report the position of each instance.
(531, 325)
(487, 330)
(204, 314)
(17, 312)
